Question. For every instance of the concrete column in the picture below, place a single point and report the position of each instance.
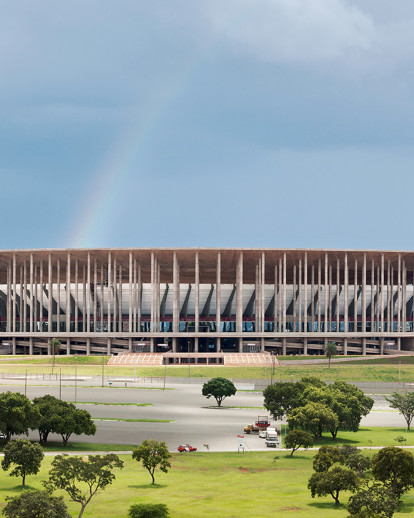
(284, 346)
(24, 296)
(364, 346)
(77, 296)
(109, 346)
(102, 305)
(404, 297)
(276, 306)
(41, 296)
(239, 296)
(88, 346)
(68, 294)
(95, 298)
(14, 344)
(338, 287)
(305, 295)
(14, 296)
(139, 298)
(326, 311)
(262, 294)
(300, 296)
(130, 293)
(392, 299)
(319, 293)
(8, 277)
(114, 284)
(345, 346)
(121, 325)
(257, 299)
(389, 296)
(109, 312)
(31, 345)
(399, 343)
(152, 292)
(36, 299)
(58, 297)
(312, 298)
(31, 295)
(197, 301)
(176, 300)
(305, 346)
(381, 345)
(364, 295)
(346, 304)
(294, 288)
(382, 293)
(21, 326)
(330, 291)
(135, 295)
(218, 300)
(284, 297)
(68, 347)
(50, 296)
(355, 296)
(372, 296)
(84, 305)
(378, 299)
(399, 294)
(280, 296)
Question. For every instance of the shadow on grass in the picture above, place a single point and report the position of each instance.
(407, 508)
(148, 486)
(19, 488)
(327, 505)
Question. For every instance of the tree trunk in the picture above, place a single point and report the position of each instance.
(24, 479)
(81, 511)
(152, 476)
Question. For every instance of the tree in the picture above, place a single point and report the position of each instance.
(280, 398)
(330, 350)
(313, 417)
(326, 457)
(25, 455)
(55, 346)
(71, 420)
(353, 459)
(49, 409)
(153, 454)
(148, 511)
(404, 403)
(72, 474)
(17, 415)
(377, 500)
(219, 388)
(35, 504)
(394, 467)
(332, 482)
(296, 439)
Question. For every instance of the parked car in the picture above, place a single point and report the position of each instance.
(186, 447)
(262, 434)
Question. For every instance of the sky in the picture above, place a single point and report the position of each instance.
(207, 123)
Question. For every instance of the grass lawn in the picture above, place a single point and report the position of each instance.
(370, 370)
(211, 485)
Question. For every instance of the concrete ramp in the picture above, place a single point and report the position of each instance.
(147, 359)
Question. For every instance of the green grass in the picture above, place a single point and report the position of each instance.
(207, 485)
(371, 370)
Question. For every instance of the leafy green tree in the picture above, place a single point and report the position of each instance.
(153, 454)
(148, 511)
(404, 403)
(296, 439)
(71, 420)
(49, 409)
(17, 415)
(330, 350)
(373, 501)
(219, 388)
(332, 482)
(355, 460)
(326, 457)
(35, 504)
(394, 467)
(313, 417)
(81, 478)
(26, 457)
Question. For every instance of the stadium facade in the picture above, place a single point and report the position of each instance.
(205, 300)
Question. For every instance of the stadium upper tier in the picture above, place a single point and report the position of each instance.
(205, 300)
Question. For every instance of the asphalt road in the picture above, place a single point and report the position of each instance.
(195, 419)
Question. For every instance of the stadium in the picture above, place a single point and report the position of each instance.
(206, 305)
